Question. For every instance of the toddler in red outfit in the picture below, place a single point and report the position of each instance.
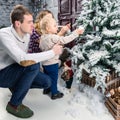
(67, 74)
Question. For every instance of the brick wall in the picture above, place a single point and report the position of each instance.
(52, 5)
(7, 5)
(5, 8)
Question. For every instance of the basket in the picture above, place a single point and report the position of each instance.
(112, 80)
(113, 108)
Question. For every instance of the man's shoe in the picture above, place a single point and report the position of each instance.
(46, 91)
(56, 96)
(21, 111)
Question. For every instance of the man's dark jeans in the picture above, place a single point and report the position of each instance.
(20, 79)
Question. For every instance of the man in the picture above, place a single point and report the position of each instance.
(20, 71)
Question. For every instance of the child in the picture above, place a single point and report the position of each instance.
(48, 39)
(35, 36)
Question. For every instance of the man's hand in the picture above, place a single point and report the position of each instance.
(57, 48)
(26, 63)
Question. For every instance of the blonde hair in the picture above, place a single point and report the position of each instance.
(39, 18)
(45, 22)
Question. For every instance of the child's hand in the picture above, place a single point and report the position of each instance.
(80, 30)
(64, 29)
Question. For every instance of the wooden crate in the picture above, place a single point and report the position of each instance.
(112, 81)
(113, 107)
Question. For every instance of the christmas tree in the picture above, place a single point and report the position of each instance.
(99, 53)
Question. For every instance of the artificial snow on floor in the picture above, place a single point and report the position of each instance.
(82, 103)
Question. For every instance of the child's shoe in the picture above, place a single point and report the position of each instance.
(56, 96)
(46, 91)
